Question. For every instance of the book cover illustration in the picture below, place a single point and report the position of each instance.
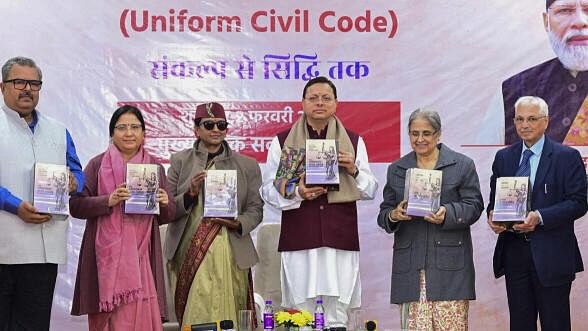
(289, 171)
(220, 194)
(322, 167)
(422, 191)
(511, 199)
(143, 183)
(51, 188)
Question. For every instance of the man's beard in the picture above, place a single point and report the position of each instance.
(572, 57)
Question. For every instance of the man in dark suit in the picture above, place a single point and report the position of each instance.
(540, 257)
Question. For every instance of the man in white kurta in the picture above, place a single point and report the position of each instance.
(319, 237)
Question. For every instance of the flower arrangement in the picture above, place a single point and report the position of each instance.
(293, 318)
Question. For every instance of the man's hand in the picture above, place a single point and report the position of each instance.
(399, 213)
(309, 193)
(438, 217)
(530, 223)
(196, 183)
(347, 161)
(497, 228)
(30, 214)
(229, 224)
(120, 194)
(73, 182)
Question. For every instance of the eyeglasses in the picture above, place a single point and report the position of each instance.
(531, 119)
(126, 127)
(21, 84)
(209, 125)
(424, 134)
(323, 99)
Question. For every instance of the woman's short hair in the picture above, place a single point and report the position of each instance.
(427, 114)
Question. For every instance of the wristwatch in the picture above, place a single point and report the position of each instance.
(356, 173)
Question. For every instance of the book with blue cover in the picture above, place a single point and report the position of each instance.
(143, 183)
(322, 166)
(51, 188)
(511, 201)
(220, 194)
(422, 190)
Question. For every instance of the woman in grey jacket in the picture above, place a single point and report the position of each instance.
(432, 268)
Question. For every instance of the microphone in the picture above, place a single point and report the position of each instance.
(211, 326)
(371, 325)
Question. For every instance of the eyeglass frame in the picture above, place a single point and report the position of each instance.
(126, 127)
(531, 119)
(425, 134)
(28, 82)
(324, 99)
(209, 127)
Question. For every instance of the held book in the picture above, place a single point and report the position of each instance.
(322, 166)
(143, 183)
(51, 188)
(422, 190)
(511, 201)
(220, 194)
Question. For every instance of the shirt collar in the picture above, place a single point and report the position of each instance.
(537, 148)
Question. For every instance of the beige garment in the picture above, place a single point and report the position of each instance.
(219, 288)
(426, 315)
(296, 139)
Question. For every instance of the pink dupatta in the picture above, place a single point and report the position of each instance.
(122, 241)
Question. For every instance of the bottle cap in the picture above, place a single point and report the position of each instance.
(226, 324)
(268, 302)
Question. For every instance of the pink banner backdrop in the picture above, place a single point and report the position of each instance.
(386, 58)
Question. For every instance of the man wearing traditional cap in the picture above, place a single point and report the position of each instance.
(319, 241)
(210, 259)
(562, 82)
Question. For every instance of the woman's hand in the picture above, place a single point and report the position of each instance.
(438, 217)
(399, 213)
(119, 195)
(162, 197)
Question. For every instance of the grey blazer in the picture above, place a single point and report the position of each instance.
(444, 250)
(187, 163)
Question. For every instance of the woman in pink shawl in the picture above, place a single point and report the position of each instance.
(120, 283)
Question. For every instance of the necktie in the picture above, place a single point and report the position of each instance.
(524, 169)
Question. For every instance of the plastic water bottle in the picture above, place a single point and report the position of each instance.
(319, 315)
(268, 316)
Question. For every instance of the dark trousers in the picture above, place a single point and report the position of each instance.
(527, 297)
(26, 295)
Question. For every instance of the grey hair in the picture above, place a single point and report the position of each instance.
(427, 114)
(530, 100)
(21, 61)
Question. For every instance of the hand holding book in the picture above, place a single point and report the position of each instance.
(438, 217)
(73, 182)
(30, 214)
(496, 227)
(310, 193)
(119, 195)
(196, 183)
(399, 213)
(347, 161)
(162, 197)
(531, 221)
